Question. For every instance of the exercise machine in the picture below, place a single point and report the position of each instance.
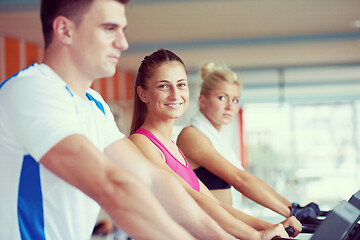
(341, 223)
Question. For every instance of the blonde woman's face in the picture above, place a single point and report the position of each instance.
(222, 104)
(167, 93)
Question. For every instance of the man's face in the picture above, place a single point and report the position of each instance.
(99, 39)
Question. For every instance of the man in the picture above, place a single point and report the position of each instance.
(60, 148)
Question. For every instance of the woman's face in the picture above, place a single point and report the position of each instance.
(167, 93)
(222, 103)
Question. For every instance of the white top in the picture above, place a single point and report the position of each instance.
(222, 146)
(38, 110)
(200, 122)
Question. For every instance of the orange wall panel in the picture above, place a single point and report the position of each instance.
(129, 76)
(116, 87)
(12, 56)
(32, 54)
(103, 88)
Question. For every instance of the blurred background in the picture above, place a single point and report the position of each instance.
(299, 124)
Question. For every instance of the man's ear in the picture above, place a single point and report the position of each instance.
(63, 28)
(142, 94)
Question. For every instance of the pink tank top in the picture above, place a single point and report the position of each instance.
(185, 172)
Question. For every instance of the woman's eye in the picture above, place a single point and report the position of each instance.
(235, 100)
(222, 98)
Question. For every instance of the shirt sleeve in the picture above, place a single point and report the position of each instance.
(40, 114)
(112, 132)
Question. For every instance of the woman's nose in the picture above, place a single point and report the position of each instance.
(228, 105)
(174, 93)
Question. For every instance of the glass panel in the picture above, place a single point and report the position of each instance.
(305, 152)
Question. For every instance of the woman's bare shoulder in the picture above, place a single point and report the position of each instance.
(190, 133)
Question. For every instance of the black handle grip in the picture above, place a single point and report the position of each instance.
(324, 213)
(289, 230)
(279, 238)
(309, 228)
(313, 221)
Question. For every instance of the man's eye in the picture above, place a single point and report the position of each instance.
(164, 86)
(235, 100)
(222, 98)
(182, 85)
(109, 29)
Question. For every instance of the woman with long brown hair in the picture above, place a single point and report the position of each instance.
(161, 96)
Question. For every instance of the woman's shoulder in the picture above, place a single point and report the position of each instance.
(189, 133)
(138, 138)
(146, 146)
(189, 130)
(190, 138)
(141, 141)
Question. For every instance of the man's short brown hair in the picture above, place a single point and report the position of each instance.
(72, 9)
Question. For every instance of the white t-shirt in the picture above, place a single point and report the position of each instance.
(38, 110)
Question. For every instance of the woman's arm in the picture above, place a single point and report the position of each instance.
(262, 225)
(205, 199)
(254, 222)
(199, 151)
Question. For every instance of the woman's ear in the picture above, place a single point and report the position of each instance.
(202, 100)
(142, 94)
(62, 28)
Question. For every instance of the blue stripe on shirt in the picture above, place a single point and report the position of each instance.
(30, 204)
(98, 104)
(2, 84)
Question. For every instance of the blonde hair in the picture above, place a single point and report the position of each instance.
(212, 74)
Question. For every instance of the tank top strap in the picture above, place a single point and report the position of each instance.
(151, 137)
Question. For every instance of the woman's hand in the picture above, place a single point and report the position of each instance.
(294, 223)
(277, 230)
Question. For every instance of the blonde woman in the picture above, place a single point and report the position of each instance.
(213, 161)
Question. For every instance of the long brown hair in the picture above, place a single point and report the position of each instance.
(146, 70)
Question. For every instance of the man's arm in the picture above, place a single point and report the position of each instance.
(127, 200)
(167, 189)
